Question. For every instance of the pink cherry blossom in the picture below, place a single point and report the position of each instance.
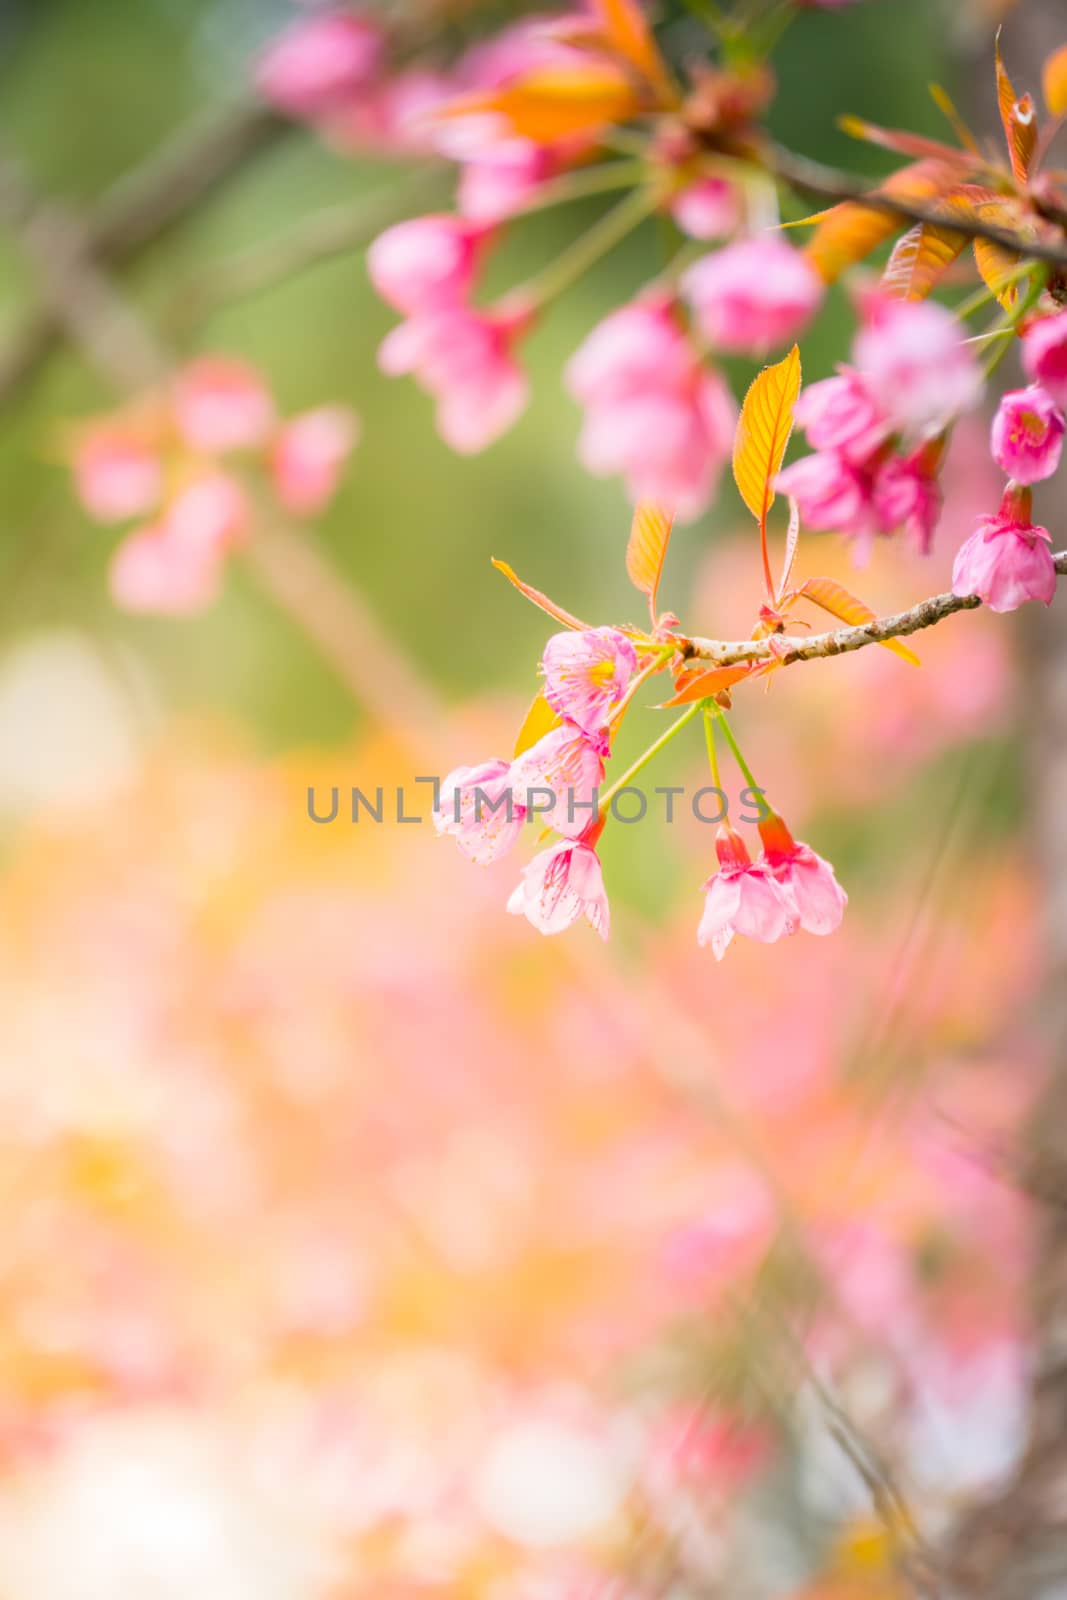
(654, 413)
(833, 495)
(1045, 355)
(807, 880)
(840, 414)
(210, 513)
(906, 494)
(913, 360)
(427, 264)
(753, 295)
(117, 474)
(318, 61)
(308, 457)
(463, 357)
(498, 182)
(156, 570)
(1007, 560)
(560, 885)
(480, 807)
(1027, 436)
(743, 897)
(586, 674)
(392, 116)
(222, 404)
(570, 765)
(707, 209)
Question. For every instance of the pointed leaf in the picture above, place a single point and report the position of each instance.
(763, 433)
(701, 685)
(539, 720)
(920, 258)
(1054, 81)
(849, 232)
(647, 550)
(542, 600)
(1019, 118)
(627, 31)
(904, 144)
(792, 539)
(946, 105)
(556, 102)
(841, 603)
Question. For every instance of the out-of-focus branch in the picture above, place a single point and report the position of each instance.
(787, 648)
(139, 208)
(97, 318)
(315, 239)
(820, 182)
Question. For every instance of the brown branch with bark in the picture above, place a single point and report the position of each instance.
(787, 648)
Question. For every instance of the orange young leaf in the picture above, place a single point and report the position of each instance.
(841, 603)
(792, 539)
(763, 432)
(920, 258)
(1019, 118)
(903, 144)
(627, 31)
(539, 720)
(947, 107)
(646, 552)
(701, 685)
(848, 232)
(1054, 81)
(556, 102)
(540, 599)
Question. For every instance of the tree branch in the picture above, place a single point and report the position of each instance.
(787, 648)
(827, 183)
(140, 208)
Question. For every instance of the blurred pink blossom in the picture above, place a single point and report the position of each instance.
(654, 412)
(464, 358)
(753, 294)
(308, 456)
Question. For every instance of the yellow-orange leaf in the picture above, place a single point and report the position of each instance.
(848, 233)
(841, 603)
(539, 599)
(1019, 118)
(627, 31)
(556, 102)
(646, 552)
(702, 685)
(539, 720)
(1054, 81)
(995, 266)
(920, 258)
(763, 433)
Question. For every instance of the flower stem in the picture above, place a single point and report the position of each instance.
(600, 179)
(745, 769)
(653, 750)
(602, 237)
(713, 754)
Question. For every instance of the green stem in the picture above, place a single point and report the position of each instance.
(602, 237)
(653, 750)
(745, 769)
(713, 754)
(1015, 316)
(601, 179)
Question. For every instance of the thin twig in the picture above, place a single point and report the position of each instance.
(787, 648)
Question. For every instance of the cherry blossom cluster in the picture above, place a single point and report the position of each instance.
(1008, 559)
(181, 463)
(589, 678)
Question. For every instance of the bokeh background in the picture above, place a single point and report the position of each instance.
(357, 1240)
